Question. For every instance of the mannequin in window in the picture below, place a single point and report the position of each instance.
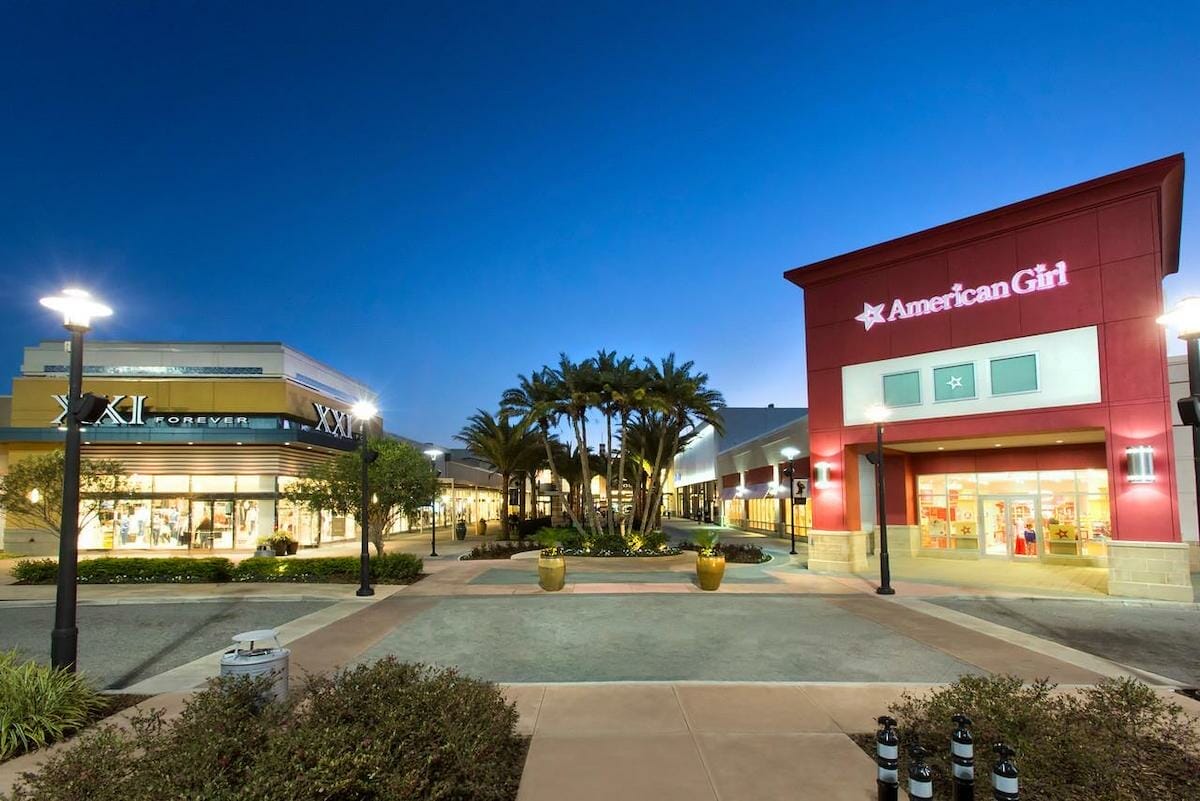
(1030, 539)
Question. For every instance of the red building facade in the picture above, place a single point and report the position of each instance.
(1024, 379)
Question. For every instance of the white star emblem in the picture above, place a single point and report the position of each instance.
(871, 314)
(955, 382)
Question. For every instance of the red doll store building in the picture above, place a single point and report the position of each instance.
(1023, 379)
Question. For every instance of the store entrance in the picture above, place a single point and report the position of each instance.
(1009, 526)
(212, 525)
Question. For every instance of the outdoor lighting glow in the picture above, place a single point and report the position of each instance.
(35, 495)
(432, 452)
(1139, 464)
(1185, 318)
(364, 410)
(822, 474)
(77, 307)
(877, 413)
(790, 453)
(741, 491)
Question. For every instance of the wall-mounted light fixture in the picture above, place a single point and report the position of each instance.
(1139, 464)
(741, 491)
(822, 474)
(773, 487)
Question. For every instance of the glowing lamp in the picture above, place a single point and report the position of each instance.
(822, 474)
(364, 410)
(1139, 464)
(1184, 318)
(77, 307)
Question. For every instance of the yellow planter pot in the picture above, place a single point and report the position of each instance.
(552, 573)
(480, 527)
(709, 571)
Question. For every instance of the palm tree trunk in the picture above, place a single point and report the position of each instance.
(621, 465)
(656, 502)
(589, 508)
(654, 481)
(608, 512)
(505, 479)
(556, 499)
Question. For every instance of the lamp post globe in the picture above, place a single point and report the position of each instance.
(1185, 319)
(78, 308)
(433, 452)
(877, 414)
(364, 411)
(790, 454)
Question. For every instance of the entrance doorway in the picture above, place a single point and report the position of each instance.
(212, 524)
(1010, 526)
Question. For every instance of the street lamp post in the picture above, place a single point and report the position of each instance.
(790, 454)
(433, 453)
(1185, 318)
(365, 411)
(877, 414)
(78, 309)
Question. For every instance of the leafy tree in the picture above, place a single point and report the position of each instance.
(32, 491)
(535, 400)
(512, 448)
(402, 481)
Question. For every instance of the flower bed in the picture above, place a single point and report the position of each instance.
(738, 553)
(391, 568)
(499, 550)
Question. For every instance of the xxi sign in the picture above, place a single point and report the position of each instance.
(334, 421)
(112, 414)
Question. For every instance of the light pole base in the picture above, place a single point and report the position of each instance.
(364, 592)
(433, 553)
(884, 591)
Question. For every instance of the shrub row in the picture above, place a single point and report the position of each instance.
(391, 568)
(500, 550)
(383, 731)
(40, 705)
(577, 543)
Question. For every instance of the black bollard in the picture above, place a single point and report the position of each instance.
(962, 759)
(1004, 775)
(920, 777)
(887, 760)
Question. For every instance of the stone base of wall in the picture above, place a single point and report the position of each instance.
(1194, 556)
(29, 542)
(903, 541)
(837, 551)
(1157, 570)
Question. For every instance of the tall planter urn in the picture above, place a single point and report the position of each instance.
(480, 527)
(460, 530)
(710, 570)
(552, 569)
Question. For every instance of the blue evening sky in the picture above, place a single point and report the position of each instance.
(435, 197)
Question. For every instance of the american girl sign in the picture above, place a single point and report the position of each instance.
(1038, 278)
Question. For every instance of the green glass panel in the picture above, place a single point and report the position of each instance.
(1014, 374)
(902, 389)
(955, 382)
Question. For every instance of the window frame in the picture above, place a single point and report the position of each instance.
(974, 381)
(1037, 374)
(883, 389)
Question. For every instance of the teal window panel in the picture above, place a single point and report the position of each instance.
(954, 382)
(1014, 374)
(902, 389)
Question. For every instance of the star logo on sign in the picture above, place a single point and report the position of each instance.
(871, 314)
(955, 382)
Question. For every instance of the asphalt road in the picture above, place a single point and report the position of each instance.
(1162, 639)
(120, 644)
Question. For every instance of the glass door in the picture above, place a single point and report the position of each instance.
(1010, 526)
(212, 524)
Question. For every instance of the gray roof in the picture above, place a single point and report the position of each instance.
(744, 423)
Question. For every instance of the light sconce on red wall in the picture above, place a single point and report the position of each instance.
(822, 475)
(1139, 464)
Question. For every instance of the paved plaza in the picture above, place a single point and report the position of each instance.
(745, 693)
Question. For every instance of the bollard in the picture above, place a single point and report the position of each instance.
(920, 777)
(887, 760)
(962, 759)
(1004, 775)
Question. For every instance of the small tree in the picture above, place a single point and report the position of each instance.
(402, 481)
(32, 491)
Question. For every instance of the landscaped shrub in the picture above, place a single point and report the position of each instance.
(744, 553)
(1117, 741)
(500, 550)
(382, 731)
(40, 705)
(391, 568)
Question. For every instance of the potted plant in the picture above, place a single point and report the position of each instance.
(293, 545)
(552, 564)
(481, 527)
(264, 547)
(460, 529)
(279, 542)
(710, 562)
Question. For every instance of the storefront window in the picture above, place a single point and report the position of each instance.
(213, 484)
(168, 484)
(763, 513)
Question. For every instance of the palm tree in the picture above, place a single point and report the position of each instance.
(686, 403)
(511, 448)
(575, 388)
(536, 401)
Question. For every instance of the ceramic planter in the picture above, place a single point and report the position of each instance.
(280, 548)
(709, 571)
(481, 527)
(552, 572)
(460, 531)
(292, 547)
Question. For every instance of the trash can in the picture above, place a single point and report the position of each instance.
(245, 659)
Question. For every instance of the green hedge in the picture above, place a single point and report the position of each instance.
(391, 568)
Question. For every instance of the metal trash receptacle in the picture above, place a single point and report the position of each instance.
(245, 659)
